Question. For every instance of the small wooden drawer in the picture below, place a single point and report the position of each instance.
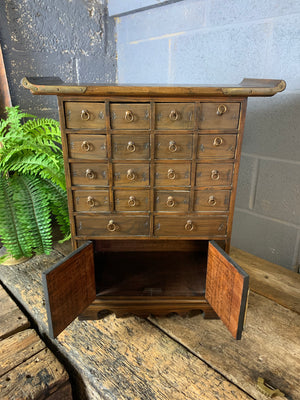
(112, 225)
(130, 116)
(130, 147)
(167, 200)
(219, 115)
(92, 147)
(131, 174)
(212, 200)
(89, 174)
(91, 200)
(131, 200)
(174, 147)
(173, 174)
(190, 226)
(85, 115)
(174, 116)
(216, 146)
(214, 174)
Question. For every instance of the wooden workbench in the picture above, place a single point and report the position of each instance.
(176, 358)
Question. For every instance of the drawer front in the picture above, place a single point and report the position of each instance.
(216, 146)
(214, 174)
(174, 116)
(89, 174)
(190, 226)
(212, 200)
(85, 115)
(91, 200)
(92, 147)
(131, 175)
(173, 174)
(130, 147)
(131, 200)
(174, 147)
(219, 115)
(169, 200)
(112, 225)
(130, 116)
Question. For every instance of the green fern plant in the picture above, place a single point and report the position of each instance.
(32, 184)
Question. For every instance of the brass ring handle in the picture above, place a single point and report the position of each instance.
(129, 116)
(131, 147)
(215, 175)
(85, 115)
(217, 141)
(90, 174)
(86, 146)
(111, 226)
(189, 226)
(174, 115)
(132, 201)
(172, 146)
(212, 201)
(171, 173)
(91, 201)
(222, 109)
(170, 202)
(131, 175)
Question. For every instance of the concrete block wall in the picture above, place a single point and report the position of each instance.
(223, 41)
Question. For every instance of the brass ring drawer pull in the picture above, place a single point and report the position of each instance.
(90, 174)
(131, 175)
(86, 146)
(85, 115)
(111, 226)
(189, 226)
(212, 201)
(171, 174)
(132, 201)
(217, 141)
(174, 115)
(91, 201)
(222, 109)
(129, 116)
(215, 175)
(172, 146)
(170, 202)
(131, 147)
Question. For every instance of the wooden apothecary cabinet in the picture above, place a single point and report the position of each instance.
(151, 176)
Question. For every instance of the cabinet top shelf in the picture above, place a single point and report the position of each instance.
(248, 87)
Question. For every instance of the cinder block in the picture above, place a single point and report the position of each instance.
(246, 182)
(116, 7)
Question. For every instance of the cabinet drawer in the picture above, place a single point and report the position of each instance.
(130, 147)
(89, 174)
(214, 174)
(131, 174)
(190, 226)
(130, 116)
(173, 174)
(92, 147)
(91, 200)
(216, 146)
(173, 146)
(85, 115)
(174, 116)
(212, 200)
(131, 200)
(169, 200)
(112, 225)
(219, 115)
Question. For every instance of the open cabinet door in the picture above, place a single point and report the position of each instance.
(69, 288)
(227, 286)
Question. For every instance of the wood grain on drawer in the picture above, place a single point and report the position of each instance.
(173, 174)
(214, 174)
(92, 147)
(112, 225)
(174, 116)
(130, 116)
(130, 147)
(190, 226)
(131, 200)
(219, 115)
(89, 174)
(173, 146)
(212, 200)
(131, 174)
(91, 200)
(171, 200)
(216, 146)
(87, 115)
